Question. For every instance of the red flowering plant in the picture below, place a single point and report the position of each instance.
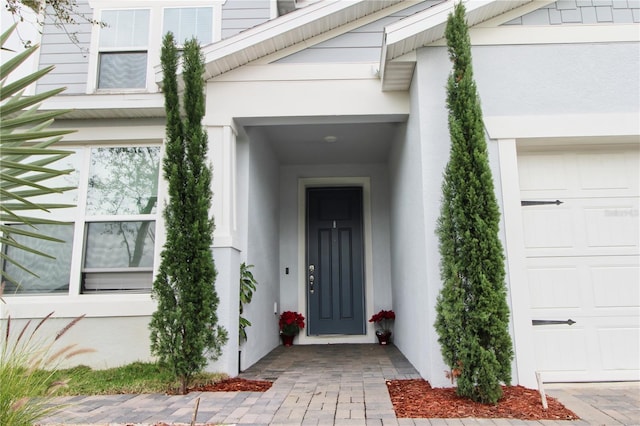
(383, 321)
(291, 323)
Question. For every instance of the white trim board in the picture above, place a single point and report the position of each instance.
(560, 126)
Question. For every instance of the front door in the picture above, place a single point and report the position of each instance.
(335, 261)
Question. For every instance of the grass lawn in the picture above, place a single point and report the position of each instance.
(137, 377)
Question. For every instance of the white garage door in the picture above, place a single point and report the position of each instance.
(583, 261)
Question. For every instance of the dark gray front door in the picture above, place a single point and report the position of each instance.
(335, 261)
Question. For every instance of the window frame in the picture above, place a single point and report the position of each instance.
(154, 42)
(79, 218)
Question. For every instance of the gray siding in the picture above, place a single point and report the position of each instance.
(360, 45)
(240, 15)
(583, 12)
(71, 60)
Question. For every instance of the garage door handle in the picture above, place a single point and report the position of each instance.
(539, 203)
(552, 322)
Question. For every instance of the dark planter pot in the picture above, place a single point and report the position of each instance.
(287, 340)
(384, 337)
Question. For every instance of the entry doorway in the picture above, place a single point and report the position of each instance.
(335, 282)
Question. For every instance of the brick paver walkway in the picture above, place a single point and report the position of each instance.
(328, 385)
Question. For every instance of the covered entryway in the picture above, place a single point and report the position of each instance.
(582, 256)
(335, 261)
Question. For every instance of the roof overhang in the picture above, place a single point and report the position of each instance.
(403, 38)
(284, 31)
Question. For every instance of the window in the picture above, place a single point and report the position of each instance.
(120, 226)
(110, 236)
(186, 23)
(52, 275)
(123, 49)
(124, 54)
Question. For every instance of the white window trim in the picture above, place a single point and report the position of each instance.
(156, 13)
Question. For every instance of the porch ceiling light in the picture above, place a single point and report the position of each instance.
(330, 139)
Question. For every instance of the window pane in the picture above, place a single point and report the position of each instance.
(123, 70)
(130, 282)
(118, 245)
(125, 28)
(186, 23)
(123, 181)
(70, 197)
(53, 273)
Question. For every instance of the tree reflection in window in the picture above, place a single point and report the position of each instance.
(122, 182)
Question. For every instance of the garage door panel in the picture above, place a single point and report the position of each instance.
(612, 225)
(590, 285)
(597, 172)
(583, 227)
(619, 348)
(542, 173)
(559, 348)
(583, 261)
(616, 286)
(554, 287)
(594, 173)
(558, 224)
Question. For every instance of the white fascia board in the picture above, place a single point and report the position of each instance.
(121, 100)
(552, 34)
(563, 126)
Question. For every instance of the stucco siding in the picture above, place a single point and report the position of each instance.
(71, 60)
(558, 79)
(416, 165)
(583, 12)
(262, 249)
(239, 15)
(360, 45)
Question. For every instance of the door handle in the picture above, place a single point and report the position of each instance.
(312, 268)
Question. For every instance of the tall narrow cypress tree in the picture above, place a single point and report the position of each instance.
(472, 312)
(184, 328)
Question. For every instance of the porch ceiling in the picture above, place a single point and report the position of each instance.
(306, 144)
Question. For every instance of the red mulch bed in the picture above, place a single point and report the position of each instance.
(234, 385)
(417, 399)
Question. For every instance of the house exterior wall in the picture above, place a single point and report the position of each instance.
(262, 250)
(410, 276)
(582, 12)
(532, 80)
(417, 164)
(73, 61)
(238, 15)
(557, 79)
